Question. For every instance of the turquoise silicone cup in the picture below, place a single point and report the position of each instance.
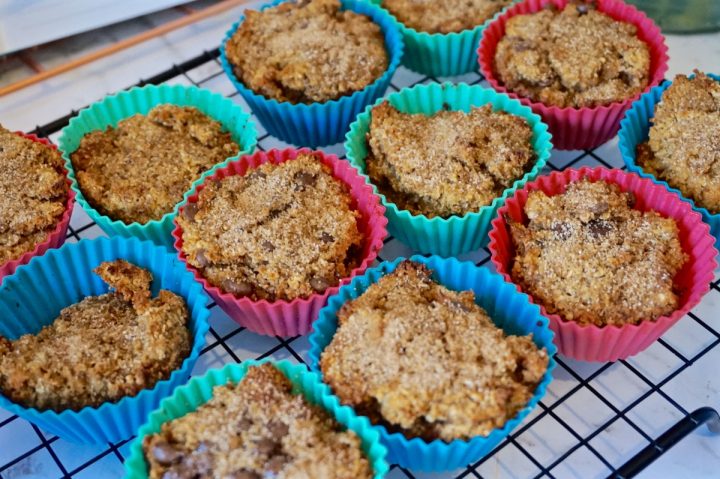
(457, 234)
(109, 111)
(509, 309)
(200, 389)
(438, 54)
(320, 124)
(35, 294)
(634, 129)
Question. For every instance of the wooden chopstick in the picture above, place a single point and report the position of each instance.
(123, 44)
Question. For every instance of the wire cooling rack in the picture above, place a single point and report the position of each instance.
(597, 420)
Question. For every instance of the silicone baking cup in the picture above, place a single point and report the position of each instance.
(139, 100)
(64, 277)
(610, 343)
(320, 124)
(510, 310)
(457, 234)
(578, 128)
(635, 128)
(281, 317)
(55, 238)
(199, 390)
(441, 54)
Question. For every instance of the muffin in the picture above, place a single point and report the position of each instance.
(589, 257)
(575, 57)
(448, 163)
(33, 194)
(428, 362)
(446, 16)
(139, 170)
(100, 349)
(684, 147)
(280, 231)
(254, 429)
(307, 51)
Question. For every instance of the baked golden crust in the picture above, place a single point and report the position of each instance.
(577, 57)
(427, 361)
(139, 170)
(255, 429)
(100, 349)
(684, 146)
(281, 231)
(307, 51)
(589, 257)
(449, 163)
(443, 16)
(33, 194)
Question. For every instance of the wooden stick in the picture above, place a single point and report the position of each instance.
(123, 44)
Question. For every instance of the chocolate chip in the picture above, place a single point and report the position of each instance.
(190, 211)
(561, 230)
(599, 208)
(627, 78)
(276, 463)
(257, 174)
(267, 446)
(165, 454)
(319, 284)
(201, 259)
(304, 179)
(599, 228)
(244, 424)
(327, 238)
(278, 429)
(582, 9)
(244, 474)
(238, 288)
(268, 245)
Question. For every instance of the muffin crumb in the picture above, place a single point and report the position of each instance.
(444, 16)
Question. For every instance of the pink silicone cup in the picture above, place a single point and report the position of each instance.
(578, 128)
(610, 343)
(57, 237)
(291, 318)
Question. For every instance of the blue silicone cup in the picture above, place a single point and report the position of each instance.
(457, 234)
(33, 297)
(139, 100)
(634, 130)
(320, 124)
(200, 389)
(509, 309)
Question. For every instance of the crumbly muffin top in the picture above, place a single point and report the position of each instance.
(33, 194)
(444, 16)
(101, 349)
(139, 170)
(427, 361)
(307, 51)
(589, 257)
(253, 430)
(280, 231)
(684, 146)
(577, 57)
(449, 163)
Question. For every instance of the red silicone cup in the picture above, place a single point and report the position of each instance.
(578, 128)
(291, 318)
(610, 343)
(57, 237)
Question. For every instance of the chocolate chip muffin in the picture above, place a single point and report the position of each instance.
(101, 349)
(448, 163)
(577, 57)
(444, 16)
(427, 361)
(684, 145)
(589, 257)
(139, 170)
(281, 231)
(253, 430)
(307, 51)
(33, 194)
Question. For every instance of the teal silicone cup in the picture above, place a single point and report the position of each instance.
(441, 54)
(320, 124)
(457, 234)
(634, 130)
(35, 294)
(109, 111)
(509, 309)
(200, 390)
